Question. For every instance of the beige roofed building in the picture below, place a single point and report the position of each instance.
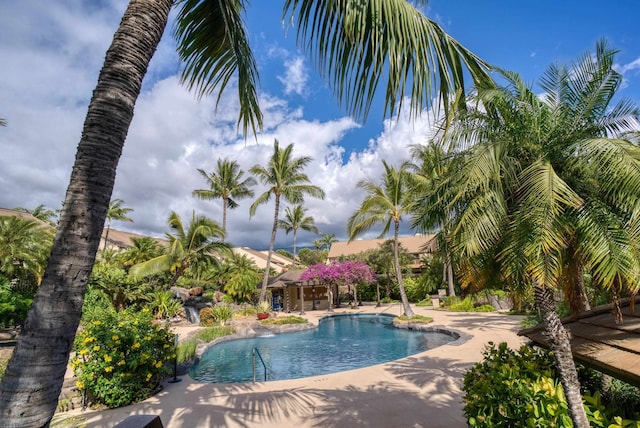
(279, 263)
(418, 246)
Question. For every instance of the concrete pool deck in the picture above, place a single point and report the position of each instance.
(423, 390)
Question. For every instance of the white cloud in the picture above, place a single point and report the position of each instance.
(295, 76)
(625, 68)
(47, 80)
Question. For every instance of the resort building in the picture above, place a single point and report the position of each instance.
(119, 240)
(279, 263)
(290, 294)
(418, 246)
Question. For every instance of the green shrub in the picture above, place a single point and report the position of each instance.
(484, 308)
(164, 306)
(206, 317)
(186, 349)
(291, 319)
(13, 304)
(120, 357)
(425, 302)
(210, 333)
(222, 313)
(415, 318)
(508, 387)
(466, 305)
(520, 388)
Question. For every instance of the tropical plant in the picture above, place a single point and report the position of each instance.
(122, 289)
(213, 45)
(120, 357)
(431, 165)
(285, 180)
(385, 204)
(144, 248)
(310, 257)
(263, 307)
(40, 212)
(295, 219)
(222, 313)
(240, 278)
(115, 212)
(24, 249)
(187, 247)
(326, 240)
(163, 304)
(550, 188)
(226, 183)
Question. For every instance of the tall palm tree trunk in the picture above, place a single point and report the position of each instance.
(106, 234)
(31, 385)
(396, 260)
(560, 345)
(295, 231)
(263, 290)
(225, 203)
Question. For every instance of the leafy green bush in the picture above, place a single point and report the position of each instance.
(186, 349)
(425, 302)
(415, 318)
(163, 305)
(291, 319)
(519, 388)
(210, 333)
(206, 317)
(508, 388)
(468, 305)
(222, 313)
(120, 356)
(13, 305)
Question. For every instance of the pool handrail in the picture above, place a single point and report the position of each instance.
(254, 353)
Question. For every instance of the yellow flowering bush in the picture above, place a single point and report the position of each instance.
(121, 357)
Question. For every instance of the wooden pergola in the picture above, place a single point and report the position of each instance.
(289, 281)
(598, 342)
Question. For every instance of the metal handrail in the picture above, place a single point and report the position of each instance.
(254, 353)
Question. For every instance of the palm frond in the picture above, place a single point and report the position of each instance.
(213, 46)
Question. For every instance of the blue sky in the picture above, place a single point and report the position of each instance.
(52, 53)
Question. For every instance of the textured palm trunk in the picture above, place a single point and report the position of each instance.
(396, 260)
(560, 345)
(106, 234)
(295, 231)
(575, 290)
(225, 203)
(31, 385)
(274, 230)
(452, 290)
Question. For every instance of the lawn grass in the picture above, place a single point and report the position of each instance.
(414, 318)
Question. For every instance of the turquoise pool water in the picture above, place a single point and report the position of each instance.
(341, 342)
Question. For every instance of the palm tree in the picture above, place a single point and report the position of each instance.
(116, 212)
(40, 212)
(354, 46)
(226, 183)
(199, 242)
(284, 177)
(144, 248)
(384, 205)
(327, 239)
(550, 188)
(240, 277)
(431, 165)
(24, 248)
(295, 219)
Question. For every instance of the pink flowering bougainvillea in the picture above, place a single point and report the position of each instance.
(346, 274)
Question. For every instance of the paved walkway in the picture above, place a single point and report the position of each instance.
(423, 390)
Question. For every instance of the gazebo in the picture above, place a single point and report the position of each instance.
(289, 293)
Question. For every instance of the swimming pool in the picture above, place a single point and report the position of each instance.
(341, 342)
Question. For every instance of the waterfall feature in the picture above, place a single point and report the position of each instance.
(193, 314)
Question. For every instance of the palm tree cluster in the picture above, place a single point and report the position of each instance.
(545, 188)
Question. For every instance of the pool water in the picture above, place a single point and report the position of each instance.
(341, 342)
